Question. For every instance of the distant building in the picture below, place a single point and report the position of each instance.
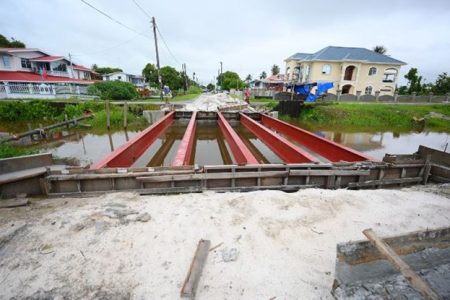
(136, 80)
(273, 83)
(350, 69)
(33, 73)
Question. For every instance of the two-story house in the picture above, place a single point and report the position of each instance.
(29, 71)
(136, 80)
(350, 69)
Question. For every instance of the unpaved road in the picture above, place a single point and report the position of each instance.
(123, 246)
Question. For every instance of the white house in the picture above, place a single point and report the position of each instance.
(136, 80)
(33, 73)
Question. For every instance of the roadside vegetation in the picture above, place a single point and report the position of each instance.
(7, 151)
(377, 116)
(51, 112)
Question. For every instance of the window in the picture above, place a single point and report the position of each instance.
(60, 67)
(390, 75)
(26, 63)
(119, 77)
(372, 71)
(326, 69)
(6, 62)
(368, 90)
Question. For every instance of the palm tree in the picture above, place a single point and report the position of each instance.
(248, 78)
(379, 49)
(275, 70)
(263, 75)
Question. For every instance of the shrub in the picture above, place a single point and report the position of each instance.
(10, 151)
(113, 90)
(27, 111)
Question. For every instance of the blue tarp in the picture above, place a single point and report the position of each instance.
(305, 89)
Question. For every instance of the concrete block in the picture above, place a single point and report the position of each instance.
(153, 116)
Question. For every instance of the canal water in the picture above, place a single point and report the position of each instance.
(87, 147)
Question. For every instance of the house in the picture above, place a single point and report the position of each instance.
(136, 80)
(33, 73)
(352, 70)
(273, 82)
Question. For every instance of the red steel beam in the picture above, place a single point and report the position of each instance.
(241, 153)
(287, 151)
(126, 155)
(184, 152)
(330, 150)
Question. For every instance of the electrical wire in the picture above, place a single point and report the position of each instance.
(113, 19)
(143, 10)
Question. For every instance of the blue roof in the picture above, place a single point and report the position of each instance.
(332, 53)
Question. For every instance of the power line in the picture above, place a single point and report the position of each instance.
(140, 7)
(112, 47)
(113, 19)
(159, 32)
(165, 44)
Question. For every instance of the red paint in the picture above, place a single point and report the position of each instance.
(326, 148)
(129, 152)
(241, 153)
(33, 77)
(287, 151)
(183, 156)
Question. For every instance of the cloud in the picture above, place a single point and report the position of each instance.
(248, 36)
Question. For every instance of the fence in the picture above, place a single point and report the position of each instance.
(396, 98)
(15, 90)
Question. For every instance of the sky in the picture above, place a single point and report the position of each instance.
(247, 36)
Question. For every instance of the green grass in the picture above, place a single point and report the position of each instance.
(186, 97)
(264, 99)
(374, 116)
(11, 151)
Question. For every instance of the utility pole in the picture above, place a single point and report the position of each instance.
(221, 79)
(157, 59)
(71, 66)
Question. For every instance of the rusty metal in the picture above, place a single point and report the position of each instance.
(326, 148)
(128, 153)
(287, 151)
(241, 153)
(184, 153)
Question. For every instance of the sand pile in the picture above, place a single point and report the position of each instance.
(211, 102)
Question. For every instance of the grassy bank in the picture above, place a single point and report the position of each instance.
(11, 151)
(186, 97)
(376, 116)
(45, 112)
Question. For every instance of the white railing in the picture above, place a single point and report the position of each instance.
(42, 90)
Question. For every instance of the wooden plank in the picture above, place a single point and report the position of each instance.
(427, 168)
(212, 176)
(384, 182)
(13, 203)
(193, 277)
(114, 175)
(21, 175)
(329, 172)
(416, 282)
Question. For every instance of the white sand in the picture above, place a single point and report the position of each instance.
(285, 242)
(211, 102)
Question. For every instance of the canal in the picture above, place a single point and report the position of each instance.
(86, 146)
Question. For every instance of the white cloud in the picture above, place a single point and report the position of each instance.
(248, 36)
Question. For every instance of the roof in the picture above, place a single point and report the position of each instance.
(20, 50)
(33, 77)
(48, 58)
(274, 78)
(81, 68)
(333, 53)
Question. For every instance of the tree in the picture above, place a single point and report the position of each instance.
(105, 70)
(172, 78)
(379, 49)
(150, 74)
(113, 90)
(275, 70)
(5, 43)
(210, 87)
(248, 78)
(263, 75)
(442, 85)
(230, 80)
(414, 81)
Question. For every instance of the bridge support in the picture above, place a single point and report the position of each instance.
(326, 148)
(241, 153)
(184, 153)
(129, 152)
(287, 151)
